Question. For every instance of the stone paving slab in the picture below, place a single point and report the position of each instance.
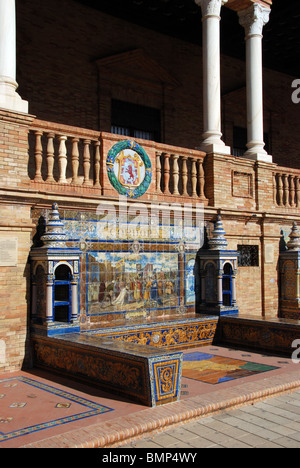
(247, 427)
(127, 422)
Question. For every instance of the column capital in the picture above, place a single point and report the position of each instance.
(211, 7)
(253, 19)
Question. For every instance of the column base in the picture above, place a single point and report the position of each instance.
(262, 157)
(212, 143)
(9, 98)
(217, 148)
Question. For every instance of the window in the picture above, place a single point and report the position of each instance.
(135, 121)
(248, 255)
(240, 140)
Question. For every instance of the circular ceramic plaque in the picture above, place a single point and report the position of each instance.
(129, 169)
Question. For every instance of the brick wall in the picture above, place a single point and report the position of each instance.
(15, 223)
(61, 42)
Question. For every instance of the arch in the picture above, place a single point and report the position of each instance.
(62, 292)
(63, 263)
(227, 284)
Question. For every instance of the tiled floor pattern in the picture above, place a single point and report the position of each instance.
(214, 369)
(64, 407)
(35, 405)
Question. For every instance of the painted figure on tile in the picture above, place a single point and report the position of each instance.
(154, 291)
(120, 300)
(130, 282)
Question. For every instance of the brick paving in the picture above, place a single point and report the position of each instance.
(58, 413)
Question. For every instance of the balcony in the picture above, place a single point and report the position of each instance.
(73, 161)
(54, 160)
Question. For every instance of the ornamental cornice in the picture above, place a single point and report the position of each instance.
(211, 7)
(253, 19)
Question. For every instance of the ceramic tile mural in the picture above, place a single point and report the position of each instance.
(120, 281)
(133, 265)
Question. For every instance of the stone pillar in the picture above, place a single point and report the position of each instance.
(234, 290)
(74, 313)
(9, 98)
(220, 288)
(212, 142)
(49, 302)
(253, 20)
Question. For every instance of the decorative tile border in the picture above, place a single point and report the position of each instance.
(93, 409)
(170, 335)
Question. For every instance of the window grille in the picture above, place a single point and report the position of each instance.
(248, 255)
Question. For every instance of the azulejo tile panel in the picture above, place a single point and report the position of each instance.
(83, 408)
(144, 374)
(169, 335)
(131, 264)
(167, 376)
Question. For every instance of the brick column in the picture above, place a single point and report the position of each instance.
(9, 98)
(212, 136)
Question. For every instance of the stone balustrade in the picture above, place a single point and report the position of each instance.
(74, 158)
(287, 188)
(59, 154)
(180, 174)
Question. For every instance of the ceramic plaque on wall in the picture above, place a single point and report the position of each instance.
(129, 169)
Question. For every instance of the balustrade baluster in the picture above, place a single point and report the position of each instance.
(280, 190)
(38, 156)
(194, 177)
(158, 173)
(75, 160)
(292, 192)
(201, 180)
(50, 157)
(97, 164)
(297, 182)
(184, 176)
(62, 159)
(166, 173)
(286, 190)
(86, 162)
(274, 188)
(175, 174)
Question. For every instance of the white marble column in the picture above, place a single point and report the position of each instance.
(253, 20)
(49, 302)
(212, 136)
(74, 313)
(9, 98)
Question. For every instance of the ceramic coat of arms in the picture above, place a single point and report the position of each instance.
(129, 169)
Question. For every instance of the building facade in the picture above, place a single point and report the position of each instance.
(206, 134)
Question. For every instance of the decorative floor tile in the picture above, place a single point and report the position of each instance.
(63, 405)
(212, 369)
(83, 408)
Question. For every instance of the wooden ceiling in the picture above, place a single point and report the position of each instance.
(182, 19)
